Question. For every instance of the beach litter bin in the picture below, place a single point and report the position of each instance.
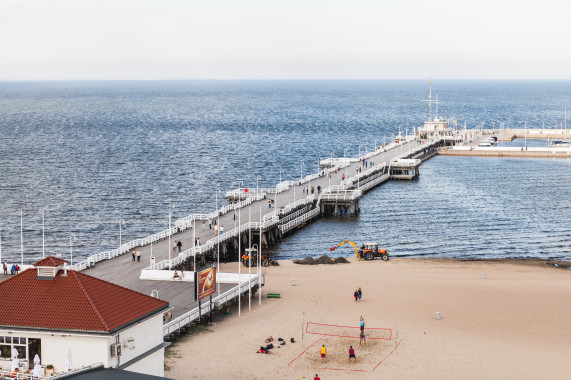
(153, 260)
(438, 315)
(293, 282)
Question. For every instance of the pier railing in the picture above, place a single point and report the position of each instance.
(185, 319)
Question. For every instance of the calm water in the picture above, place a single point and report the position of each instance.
(92, 153)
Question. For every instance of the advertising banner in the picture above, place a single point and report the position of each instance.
(205, 281)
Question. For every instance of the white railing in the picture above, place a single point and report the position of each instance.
(375, 182)
(6, 374)
(308, 215)
(192, 315)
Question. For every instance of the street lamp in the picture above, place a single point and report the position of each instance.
(121, 223)
(257, 178)
(217, 244)
(276, 195)
(171, 206)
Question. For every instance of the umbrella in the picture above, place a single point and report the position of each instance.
(37, 372)
(15, 361)
(68, 362)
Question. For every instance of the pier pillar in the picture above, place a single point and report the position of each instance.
(264, 241)
(336, 209)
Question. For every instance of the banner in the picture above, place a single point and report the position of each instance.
(205, 283)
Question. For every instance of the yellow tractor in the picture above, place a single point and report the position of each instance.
(366, 252)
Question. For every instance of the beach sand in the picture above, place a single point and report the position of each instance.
(514, 324)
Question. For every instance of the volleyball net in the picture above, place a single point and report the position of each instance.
(347, 331)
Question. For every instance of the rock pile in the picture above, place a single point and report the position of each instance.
(322, 260)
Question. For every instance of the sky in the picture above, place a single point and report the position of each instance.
(292, 39)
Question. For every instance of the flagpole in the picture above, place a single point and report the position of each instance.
(43, 236)
(22, 234)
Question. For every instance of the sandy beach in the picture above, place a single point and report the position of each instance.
(512, 324)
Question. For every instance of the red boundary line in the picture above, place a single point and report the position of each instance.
(343, 369)
(297, 357)
(349, 327)
(398, 344)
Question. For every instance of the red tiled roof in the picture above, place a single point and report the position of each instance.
(50, 261)
(76, 302)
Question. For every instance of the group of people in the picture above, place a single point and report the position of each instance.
(15, 269)
(136, 255)
(177, 245)
(177, 276)
(352, 355)
(358, 294)
(307, 189)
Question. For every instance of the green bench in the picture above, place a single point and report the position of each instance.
(274, 295)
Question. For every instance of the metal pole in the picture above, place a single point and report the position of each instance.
(239, 264)
(169, 247)
(71, 249)
(1, 245)
(22, 234)
(43, 236)
(217, 246)
(260, 263)
(195, 247)
(249, 261)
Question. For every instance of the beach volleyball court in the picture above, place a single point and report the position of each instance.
(337, 340)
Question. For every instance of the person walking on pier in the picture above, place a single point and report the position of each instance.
(179, 245)
(343, 177)
(138, 256)
(134, 254)
(174, 246)
(203, 224)
(221, 229)
(216, 229)
(209, 224)
(197, 241)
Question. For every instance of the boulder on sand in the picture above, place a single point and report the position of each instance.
(321, 260)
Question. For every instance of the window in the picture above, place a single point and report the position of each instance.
(7, 343)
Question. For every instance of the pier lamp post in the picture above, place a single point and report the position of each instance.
(121, 223)
(71, 238)
(257, 179)
(276, 195)
(171, 206)
(217, 243)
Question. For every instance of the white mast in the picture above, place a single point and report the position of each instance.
(430, 101)
(22, 234)
(43, 236)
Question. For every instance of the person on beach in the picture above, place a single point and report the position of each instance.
(323, 353)
(138, 256)
(362, 339)
(179, 245)
(360, 293)
(352, 354)
(316, 377)
(356, 295)
(362, 325)
(133, 255)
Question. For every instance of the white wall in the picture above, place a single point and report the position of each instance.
(153, 364)
(147, 335)
(91, 349)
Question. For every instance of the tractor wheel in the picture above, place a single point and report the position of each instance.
(385, 257)
(369, 256)
(249, 262)
(266, 262)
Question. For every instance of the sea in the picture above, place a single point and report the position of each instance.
(92, 160)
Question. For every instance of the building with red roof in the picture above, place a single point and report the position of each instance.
(49, 309)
